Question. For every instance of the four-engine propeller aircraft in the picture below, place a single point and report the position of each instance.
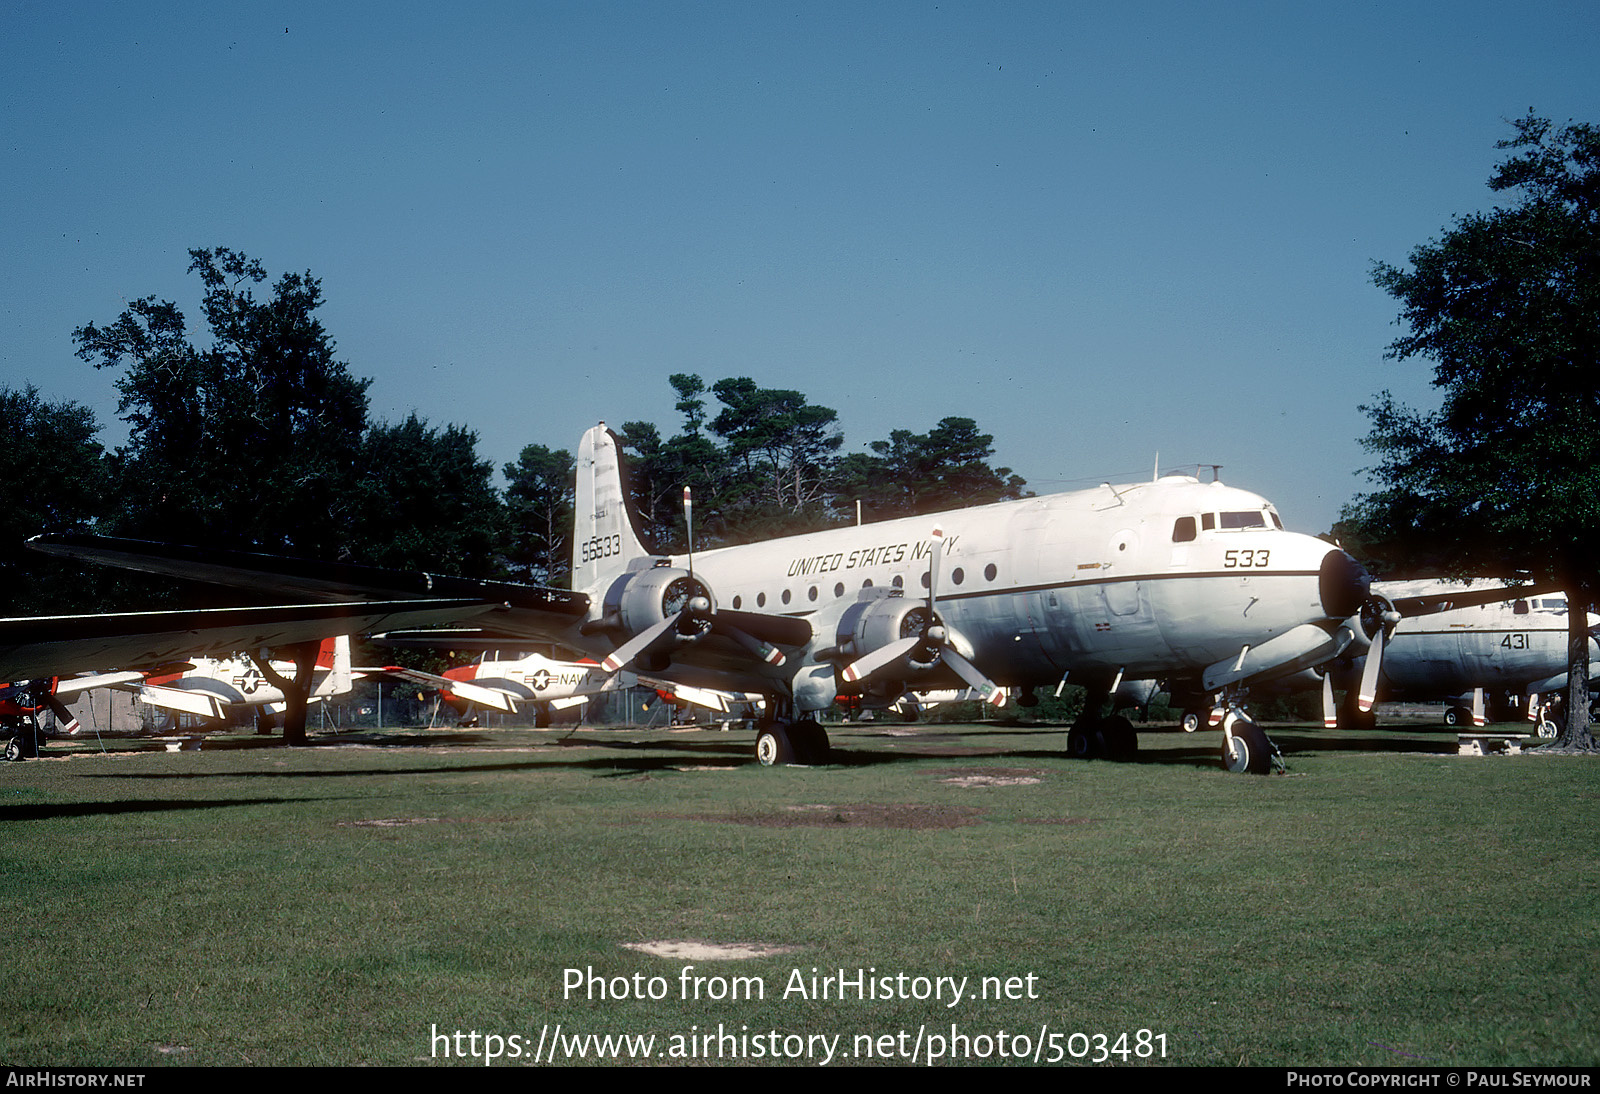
(1196, 583)
(1178, 579)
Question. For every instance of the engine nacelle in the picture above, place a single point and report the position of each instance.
(640, 599)
(872, 624)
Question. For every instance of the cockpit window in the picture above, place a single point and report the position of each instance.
(1183, 530)
(1255, 519)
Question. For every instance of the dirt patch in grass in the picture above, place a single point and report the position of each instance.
(696, 950)
(855, 816)
(388, 822)
(993, 776)
(952, 751)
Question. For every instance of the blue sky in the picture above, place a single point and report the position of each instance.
(1104, 232)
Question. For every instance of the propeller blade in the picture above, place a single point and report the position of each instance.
(1369, 674)
(876, 659)
(1477, 706)
(633, 647)
(1330, 714)
(66, 722)
(974, 678)
(762, 651)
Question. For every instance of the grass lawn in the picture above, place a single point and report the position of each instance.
(1385, 903)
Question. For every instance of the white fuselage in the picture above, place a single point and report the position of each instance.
(1517, 646)
(1148, 579)
(534, 678)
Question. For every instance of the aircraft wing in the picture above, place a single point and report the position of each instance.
(709, 698)
(1412, 598)
(45, 646)
(493, 698)
(520, 610)
(71, 687)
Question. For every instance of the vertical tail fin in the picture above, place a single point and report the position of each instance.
(604, 540)
(338, 679)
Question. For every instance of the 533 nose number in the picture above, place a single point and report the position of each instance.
(1242, 560)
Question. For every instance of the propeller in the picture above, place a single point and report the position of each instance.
(1382, 618)
(1330, 713)
(694, 620)
(933, 644)
(42, 693)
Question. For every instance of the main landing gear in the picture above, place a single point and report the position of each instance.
(23, 740)
(1110, 738)
(803, 742)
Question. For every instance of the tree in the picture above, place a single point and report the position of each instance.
(779, 451)
(1500, 479)
(58, 480)
(914, 473)
(425, 501)
(539, 498)
(249, 441)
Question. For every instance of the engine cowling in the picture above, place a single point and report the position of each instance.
(640, 600)
(869, 626)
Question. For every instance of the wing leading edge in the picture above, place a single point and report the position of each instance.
(58, 645)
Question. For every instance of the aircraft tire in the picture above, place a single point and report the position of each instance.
(1457, 716)
(810, 742)
(773, 747)
(1192, 720)
(1121, 739)
(1547, 729)
(1085, 743)
(1247, 750)
(14, 749)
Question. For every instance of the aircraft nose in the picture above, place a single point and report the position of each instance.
(1343, 584)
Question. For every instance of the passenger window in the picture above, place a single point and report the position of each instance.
(1183, 531)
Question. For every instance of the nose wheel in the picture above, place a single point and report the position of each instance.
(1246, 749)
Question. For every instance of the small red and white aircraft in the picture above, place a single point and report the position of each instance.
(210, 687)
(41, 652)
(491, 683)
